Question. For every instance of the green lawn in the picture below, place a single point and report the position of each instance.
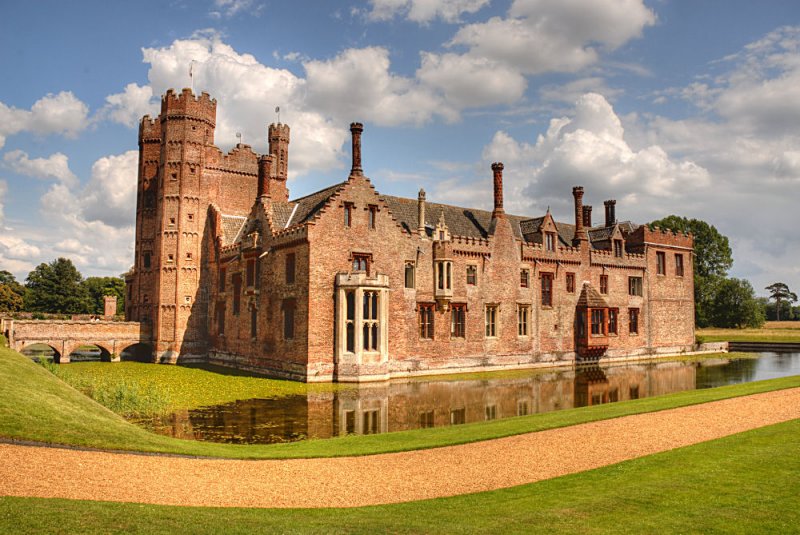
(36, 405)
(745, 483)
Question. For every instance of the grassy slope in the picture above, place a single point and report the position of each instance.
(35, 405)
(745, 483)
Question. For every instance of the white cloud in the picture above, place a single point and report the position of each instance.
(468, 81)
(56, 166)
(555, 35)
(52, 114)
(424, 11)
(357, 84)
(131, 105)
(110, 195)
(573, 90)
(231, 8)
(3, 191)
(589, 148)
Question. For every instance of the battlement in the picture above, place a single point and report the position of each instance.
(645, 235)
(279, 131)
(149, 130)
(187, 104)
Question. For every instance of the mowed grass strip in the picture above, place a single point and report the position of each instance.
(744, 483)
(36, 405)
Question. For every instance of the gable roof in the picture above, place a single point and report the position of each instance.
(231, 225)
(591, 298)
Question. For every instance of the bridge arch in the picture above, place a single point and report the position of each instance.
(106, 350)
(137, 352)
(33, 348)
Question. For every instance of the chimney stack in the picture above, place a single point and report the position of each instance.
(497, 169)
(580, 233)
(587, 216)
(421, 213)
(264, 174)
(355, 130)
(611, 216)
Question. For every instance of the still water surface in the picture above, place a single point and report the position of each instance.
(436, 402)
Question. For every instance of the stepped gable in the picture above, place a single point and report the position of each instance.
(591, 298)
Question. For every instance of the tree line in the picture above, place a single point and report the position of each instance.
(719, 300)
(59, 288)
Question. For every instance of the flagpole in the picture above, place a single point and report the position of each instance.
(191, 75)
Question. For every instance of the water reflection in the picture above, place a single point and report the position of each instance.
(397, 406)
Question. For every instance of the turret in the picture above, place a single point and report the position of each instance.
(279, 148)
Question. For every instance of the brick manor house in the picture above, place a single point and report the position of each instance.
(347, 284)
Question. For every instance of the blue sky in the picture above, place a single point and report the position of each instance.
(685, 107)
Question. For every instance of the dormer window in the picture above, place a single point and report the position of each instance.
(550, 241)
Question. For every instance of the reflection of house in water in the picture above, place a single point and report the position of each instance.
(398, 406)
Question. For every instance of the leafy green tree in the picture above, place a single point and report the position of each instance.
(12, 293)
(712, 260)
(56, 287)
(781, 293)
(735, 305)
(99, 287)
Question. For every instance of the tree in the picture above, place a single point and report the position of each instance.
(99, 287)
(56, 287)
(712, 260)
(779, 291)
(12, 293)
(736, 305)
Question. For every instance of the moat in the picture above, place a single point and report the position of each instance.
(436, 402)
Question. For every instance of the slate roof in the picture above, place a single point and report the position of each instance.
(465, 222)
(591, 298)
(231, 225)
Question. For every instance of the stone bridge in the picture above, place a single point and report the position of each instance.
(64, 337)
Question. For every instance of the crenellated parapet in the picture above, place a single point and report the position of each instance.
(149, 130)
(188, 105)
(644, 235)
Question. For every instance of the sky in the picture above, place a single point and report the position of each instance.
(684, 107)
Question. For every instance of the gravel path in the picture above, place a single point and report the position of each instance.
(378, 479)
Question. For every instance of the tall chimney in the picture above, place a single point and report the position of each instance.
(580, 233)
(587, 216)
(356, 129)
(264, 173)
(611, 216)
(421, 213)
(497, 169)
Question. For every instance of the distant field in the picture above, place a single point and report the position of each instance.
(782, 325)
(773, 331)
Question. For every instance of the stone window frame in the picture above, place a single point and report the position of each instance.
(661, 263)
(426, 320)
(370, 320)
(523, 320)
(635, 286)
(633, 320)
(410, 272)
(348, 214)
(472, 270)
(569, 282)
(491, 324)
(444, 274)
(361, 262)
(679, 265)
(546, 286)
(618, 248)
(550, 241)
(458, 320)
(349, 318)
(604, 284)
(524, 278)
(372, 216)
(613, 321)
